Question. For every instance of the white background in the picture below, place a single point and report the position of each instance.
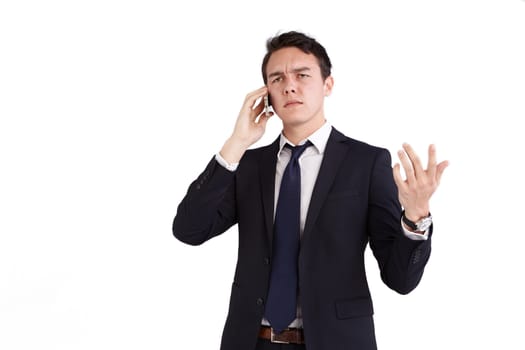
(109, 109)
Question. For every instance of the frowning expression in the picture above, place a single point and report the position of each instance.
(296, 86)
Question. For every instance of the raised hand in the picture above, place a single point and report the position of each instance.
(249, 127)
(415, 191)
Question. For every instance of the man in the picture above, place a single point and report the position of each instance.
(305, 214)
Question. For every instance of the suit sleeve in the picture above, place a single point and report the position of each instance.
(401, 260)
(208, 208)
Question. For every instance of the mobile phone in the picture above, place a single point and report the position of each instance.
(267, 105)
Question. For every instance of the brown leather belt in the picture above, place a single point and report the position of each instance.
(288, 336)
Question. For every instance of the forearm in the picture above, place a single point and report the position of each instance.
(402, 262)
(233, 150)
(207, 209)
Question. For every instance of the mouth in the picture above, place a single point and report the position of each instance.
(292, 103)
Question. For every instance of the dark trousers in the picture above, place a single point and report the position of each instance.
(263, 344)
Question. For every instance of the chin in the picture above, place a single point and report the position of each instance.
(293, 117)
(295, 121)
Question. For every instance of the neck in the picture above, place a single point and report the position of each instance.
(297, 133)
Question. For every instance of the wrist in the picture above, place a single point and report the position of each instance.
(416, 215)
(233, 150)
(419, 225)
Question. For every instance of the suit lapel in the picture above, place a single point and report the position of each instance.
(267, 180)
(334, 154)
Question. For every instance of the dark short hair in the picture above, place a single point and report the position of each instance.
(302, 42)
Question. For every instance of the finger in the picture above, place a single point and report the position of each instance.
(414, 159)
(255, 95)
(440, 168)
(261, 111)
(250, 106)
(263, 119)
(407, 166)
(259, 108)
(398, 179)
(431, 166)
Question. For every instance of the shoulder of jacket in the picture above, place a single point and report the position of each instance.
(357, 144)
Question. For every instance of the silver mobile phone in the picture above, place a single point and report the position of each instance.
(267, 105)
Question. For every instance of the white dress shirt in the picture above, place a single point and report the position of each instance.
(310, 162)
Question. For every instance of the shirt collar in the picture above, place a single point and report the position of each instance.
(319, 138)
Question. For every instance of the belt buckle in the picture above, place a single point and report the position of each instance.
(274, 338)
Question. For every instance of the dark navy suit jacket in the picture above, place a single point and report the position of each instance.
(354, 202)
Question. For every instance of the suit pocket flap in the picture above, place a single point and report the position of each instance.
(351, 308)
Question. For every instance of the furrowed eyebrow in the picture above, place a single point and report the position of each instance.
(301, 69)
(275, 74)
(295, 70)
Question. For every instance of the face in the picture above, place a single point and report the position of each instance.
(297, 88)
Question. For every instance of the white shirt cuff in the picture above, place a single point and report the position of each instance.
(224, 163)
(414, 236)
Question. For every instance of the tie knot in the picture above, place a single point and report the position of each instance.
(298, 150)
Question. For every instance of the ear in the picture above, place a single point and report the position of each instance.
(328, 85)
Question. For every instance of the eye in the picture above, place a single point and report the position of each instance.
(302, 75)
(276, 80)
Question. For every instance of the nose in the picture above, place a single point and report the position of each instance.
(289, 89)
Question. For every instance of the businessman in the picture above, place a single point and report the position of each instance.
(306, 207)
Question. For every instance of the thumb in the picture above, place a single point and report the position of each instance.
(263, 119)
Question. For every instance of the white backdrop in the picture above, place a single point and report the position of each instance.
(109, 109)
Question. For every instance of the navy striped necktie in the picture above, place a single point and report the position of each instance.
(281, 304)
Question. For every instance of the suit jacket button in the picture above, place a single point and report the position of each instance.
(260, 301)
(267, 261)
